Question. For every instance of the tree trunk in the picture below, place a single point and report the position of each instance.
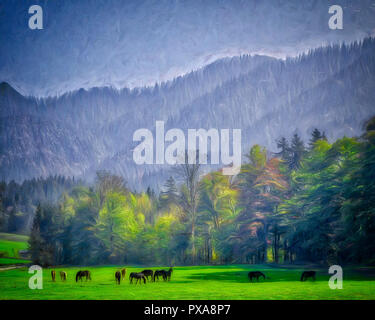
(193, 243)
(208, 251)
(286, 253)
(265, 244)
(276, 247)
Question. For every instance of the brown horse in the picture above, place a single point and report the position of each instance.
(53, 275)
(85, 273)
(118, 277)
(63, 275)
(123, 272)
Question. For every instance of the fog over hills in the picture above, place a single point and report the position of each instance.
(136, 43)
(77, 133)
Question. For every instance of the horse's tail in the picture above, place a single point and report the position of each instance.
(89, 275)
(263, 275)
(77, 276)
(302, 276)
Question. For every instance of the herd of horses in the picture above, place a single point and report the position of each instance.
(258, 274)
(145, 275)
(148, 274)
(63, 275)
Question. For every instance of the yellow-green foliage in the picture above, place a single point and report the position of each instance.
(117, 222)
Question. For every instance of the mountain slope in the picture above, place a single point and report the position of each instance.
(331, 88)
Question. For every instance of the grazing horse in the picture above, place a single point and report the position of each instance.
(85, 273)
(138, 276)
(118, 277)
(160, 273)
(256, 274)
(308, 274)
(63, 275)
(53, 275)
(148, 273)
(123, 272)
(168, 274)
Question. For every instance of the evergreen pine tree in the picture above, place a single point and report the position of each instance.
(315, 136)
(12, 220)
(297, 152)
(170, 195)
(283, 145)
(35, 241)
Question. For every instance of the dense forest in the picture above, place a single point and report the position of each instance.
(18, 202)
(312, 201)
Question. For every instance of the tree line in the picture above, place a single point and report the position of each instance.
(305, 203)
(18, 201)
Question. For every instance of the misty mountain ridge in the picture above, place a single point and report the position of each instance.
(77, 133)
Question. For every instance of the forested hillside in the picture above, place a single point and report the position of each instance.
(313, 201)
(81, 132)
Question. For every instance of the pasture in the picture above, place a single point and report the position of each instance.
(197, 282)
(10, 245)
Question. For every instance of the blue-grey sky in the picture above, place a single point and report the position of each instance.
(124, 43)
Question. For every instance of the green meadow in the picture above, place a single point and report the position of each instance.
(198, 282)
(10, 245)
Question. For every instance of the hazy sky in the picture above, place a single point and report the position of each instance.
(133, 43)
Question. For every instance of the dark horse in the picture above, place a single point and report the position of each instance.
(160, 273)
(163, 273)
(118, 277)
(148, 273)
(53, 275)
(85, 273)
(123, 272)
(168, 274)
(308, 274)
(138, 276)
(256, 274)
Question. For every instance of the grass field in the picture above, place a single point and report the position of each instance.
(198, 282)
(10, 245)
(7, 261)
